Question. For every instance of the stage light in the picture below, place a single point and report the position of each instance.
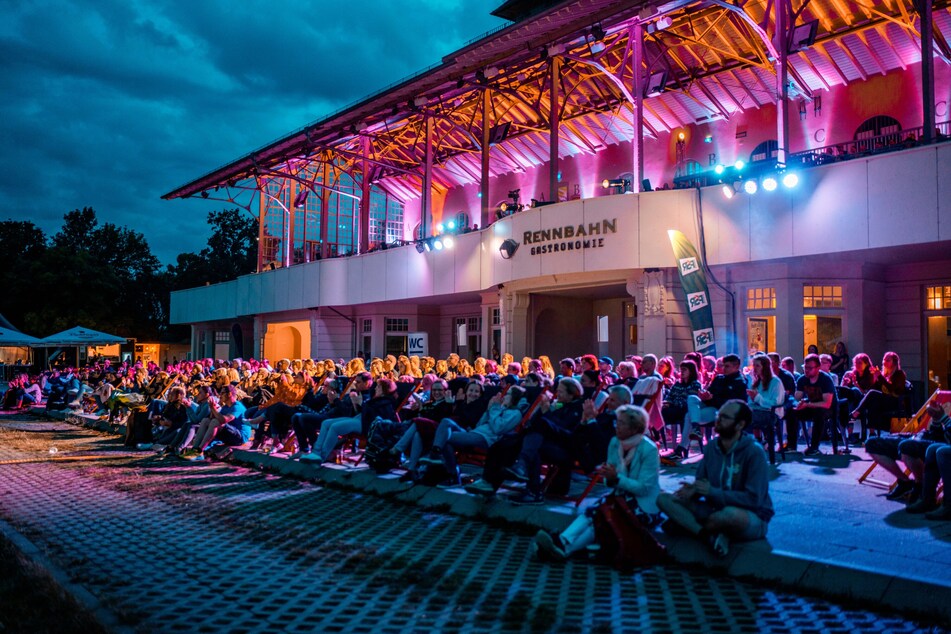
(437, 244)
(420, 247)
(681, 136)
(728, 191)
(448, 242)
(769, 184)
(440, 228)
(790, 180)
(739, 165)
(508, 248)
(301, 198)
(620, 184)
(718, 170)
(451, 225)
(750, 186)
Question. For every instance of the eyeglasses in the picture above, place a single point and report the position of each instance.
(725, 417)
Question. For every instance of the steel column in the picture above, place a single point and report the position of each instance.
(325, 214)
(363, 244)
(636, 39)
(781, 44)
(554, 121)
(924, 10)
(484, 183)
(426, 195)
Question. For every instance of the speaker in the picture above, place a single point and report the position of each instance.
(646, 185)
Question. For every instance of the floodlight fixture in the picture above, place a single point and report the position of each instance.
(803, 36)
(620, 184)
(739, 165)
(655, 83)
(448, 242)
(440, 228)
(420, 246)
(718, 170)
(728, 191)
(790, 180)
(508, 248)
(301, 199)
(437, 244)
(770, 184)
(750, 186)
(451, 225)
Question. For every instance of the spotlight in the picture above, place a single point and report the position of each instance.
(437, 244)
(451, 225)
(301, 199)
(420, 247)
(750, 186)
(428, 245)
(769, 183)
(597, 31)
(728, 191)
(718, 170)
(597, 47)
(204, 194)
(739, 165)
(440, 228)
(621, 184)
(508, 248)
(448, 242)
(681, 136)
(790, 180)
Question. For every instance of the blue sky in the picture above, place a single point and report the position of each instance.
(112, 103)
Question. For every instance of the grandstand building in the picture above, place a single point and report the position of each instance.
(517, 195)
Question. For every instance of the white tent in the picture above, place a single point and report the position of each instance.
(80, 336)
(16, 339)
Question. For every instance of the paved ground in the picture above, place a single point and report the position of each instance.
(172, 546)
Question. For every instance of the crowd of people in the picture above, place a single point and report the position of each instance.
(527, 423)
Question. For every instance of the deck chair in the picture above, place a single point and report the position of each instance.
(916, 423)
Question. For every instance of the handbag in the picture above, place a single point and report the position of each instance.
(625, 541)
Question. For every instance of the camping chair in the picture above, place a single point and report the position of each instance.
(919, 421)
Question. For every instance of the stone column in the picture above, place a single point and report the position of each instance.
(650, 291)
(514, 307)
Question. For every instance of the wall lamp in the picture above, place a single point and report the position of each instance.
(508, 248)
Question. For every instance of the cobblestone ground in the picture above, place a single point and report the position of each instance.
(208, 547)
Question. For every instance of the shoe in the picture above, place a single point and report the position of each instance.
(480, 487)
(812, 452)
(144, 446)
(277, 448)
(450, 483)
(844, 452)
(158, 448)
(297, 455)
(312, 457)
(528, 499)
(549, 547)
(434, 457)
(194, 455)
(903, 488)
(921, 506)
(720, 545)
(409, 476)
(516, 472)
(680, 452)
(942, 514)
(915, 494)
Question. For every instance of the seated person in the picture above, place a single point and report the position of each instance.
(887, 450)
(547, 438)
(422, 428)
(502, 416)
(886, 394)
(307, 421)
(226, 425)
(172, 418)
(937, 467)
(379, 401)
(702, 408)
(675, 405)
(730, 497)
(631, 470)
(273, 417)
(592, 437)
(815, 396)
(765, 395)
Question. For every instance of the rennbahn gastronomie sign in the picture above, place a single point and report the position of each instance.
(569, 237)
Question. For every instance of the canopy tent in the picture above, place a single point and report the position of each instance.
(80, 336)
(16, 339)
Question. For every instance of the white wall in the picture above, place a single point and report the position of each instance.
(902, 198)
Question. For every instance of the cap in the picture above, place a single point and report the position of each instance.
(607, 360)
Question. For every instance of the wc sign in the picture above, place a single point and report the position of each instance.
(418, 344)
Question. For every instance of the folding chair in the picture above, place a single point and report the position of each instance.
(919, 421)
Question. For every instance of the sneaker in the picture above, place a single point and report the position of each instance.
(434, 457)
(812, 452)
(516, 472)
(942, 514)
(450, 483)
(193, 455)
(921, 506)
(144, 446)
(312, 457)
(409, 476)
(549, 547)
(720, 545)
(680, 453)
(480, 487)
(298, 455)
(903, 488)
(528, 499)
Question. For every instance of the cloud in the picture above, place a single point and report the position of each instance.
(112, 103)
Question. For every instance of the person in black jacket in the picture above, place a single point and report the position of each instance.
(314, 410)
(702, 408)
(350, 423)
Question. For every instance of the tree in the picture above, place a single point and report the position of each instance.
(21, 243)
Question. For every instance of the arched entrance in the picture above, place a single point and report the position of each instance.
(289, 340)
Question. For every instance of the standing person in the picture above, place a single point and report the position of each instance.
(730, 497)
(840, 360)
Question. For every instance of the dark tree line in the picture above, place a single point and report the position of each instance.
(105, 277)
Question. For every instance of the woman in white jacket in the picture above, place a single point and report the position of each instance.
(631, 470)
(766, 396)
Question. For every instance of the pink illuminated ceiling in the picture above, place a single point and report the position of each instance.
(716, 60)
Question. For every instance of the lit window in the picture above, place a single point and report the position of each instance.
(760, 298)
(821, 296)
(937, 297)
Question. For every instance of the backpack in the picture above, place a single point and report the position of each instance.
(625, 541)
(383, 435)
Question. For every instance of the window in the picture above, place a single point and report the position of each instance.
(222, 336)
(496, 317)
(367, 325)
(397, 325)
(821, 296)
(877, 126)
(760, 298)
(474, 324)
(764, 151)
(386, 218)
(937, 297)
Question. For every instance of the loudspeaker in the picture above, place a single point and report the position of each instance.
(646, 185)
